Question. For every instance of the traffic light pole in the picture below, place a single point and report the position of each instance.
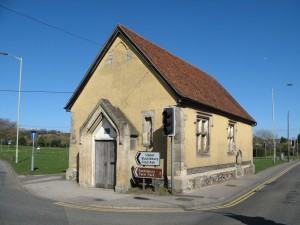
(172, 165)
(168, 129)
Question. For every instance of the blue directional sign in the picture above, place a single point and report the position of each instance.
(33, 134)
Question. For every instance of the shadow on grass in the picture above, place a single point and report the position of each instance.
(25, 159)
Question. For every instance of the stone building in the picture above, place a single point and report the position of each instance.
(116, 111)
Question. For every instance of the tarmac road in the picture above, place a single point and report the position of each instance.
(20, 207)
(270, 198)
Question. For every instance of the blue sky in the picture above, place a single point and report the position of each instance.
(249, 46)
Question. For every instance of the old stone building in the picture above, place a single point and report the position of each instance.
(116, 111)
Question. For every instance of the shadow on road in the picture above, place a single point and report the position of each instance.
(252, 220)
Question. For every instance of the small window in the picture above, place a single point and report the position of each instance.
(109, 58)
(231, 133)
(129, 55)
(106, 130)
(202, 134)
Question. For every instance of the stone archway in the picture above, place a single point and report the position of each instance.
(105, 123)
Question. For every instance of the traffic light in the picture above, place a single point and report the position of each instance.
(168, 121)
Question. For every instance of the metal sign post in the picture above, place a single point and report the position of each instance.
(33, 136)
(9, 143)
(172, 165)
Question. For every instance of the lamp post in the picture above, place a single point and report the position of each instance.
(288, 130)
(273, 123)
(296, 143)
(19, 100)
(288, 135)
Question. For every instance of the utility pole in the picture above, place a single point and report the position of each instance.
(273, 123)
(288, 136)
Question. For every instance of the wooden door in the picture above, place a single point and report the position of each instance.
(105, 161)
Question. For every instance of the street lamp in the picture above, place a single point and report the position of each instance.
(273, 123)
(288, 131)
(296, 143)
(19, 100)
(288, 135)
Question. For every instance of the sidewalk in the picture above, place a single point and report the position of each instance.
(55, 188)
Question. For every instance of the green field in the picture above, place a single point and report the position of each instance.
(47, 161)
(265, 163)
(55, 160)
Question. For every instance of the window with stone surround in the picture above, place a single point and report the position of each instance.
(202, 134)
(231, 136)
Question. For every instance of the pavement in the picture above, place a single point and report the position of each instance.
(70, 194)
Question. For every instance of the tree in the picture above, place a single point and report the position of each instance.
(264, 134)
(45, 138)
(7, 129)
(56, 143)
(22, 141)
(283, 140)
(41, 141)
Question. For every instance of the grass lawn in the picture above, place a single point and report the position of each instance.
(47, 161)
(265, 163)
(55, 160)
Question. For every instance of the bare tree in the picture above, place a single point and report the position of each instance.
(264, 134)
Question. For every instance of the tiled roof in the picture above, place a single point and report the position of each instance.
(191, 84)
(188, 81)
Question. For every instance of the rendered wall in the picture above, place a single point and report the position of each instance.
(218, 141)
(126, 81)
(130, 86)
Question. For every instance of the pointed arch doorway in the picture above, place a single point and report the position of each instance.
(105, 156)
(104, 150)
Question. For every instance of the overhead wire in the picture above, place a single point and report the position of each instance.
(57, 28)
(63, 31)
(49, 25)
(48, 92)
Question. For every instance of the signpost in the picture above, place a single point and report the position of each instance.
(153, 173)
(148, 158)
(9, 143)
(33, 137)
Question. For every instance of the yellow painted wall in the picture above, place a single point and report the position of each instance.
(218, 141)
(128, 85)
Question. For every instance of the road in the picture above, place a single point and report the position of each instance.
(277, 203)
(20, 207)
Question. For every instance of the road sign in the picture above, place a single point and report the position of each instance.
(33, 134)
(148, 172)
(148, 158)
